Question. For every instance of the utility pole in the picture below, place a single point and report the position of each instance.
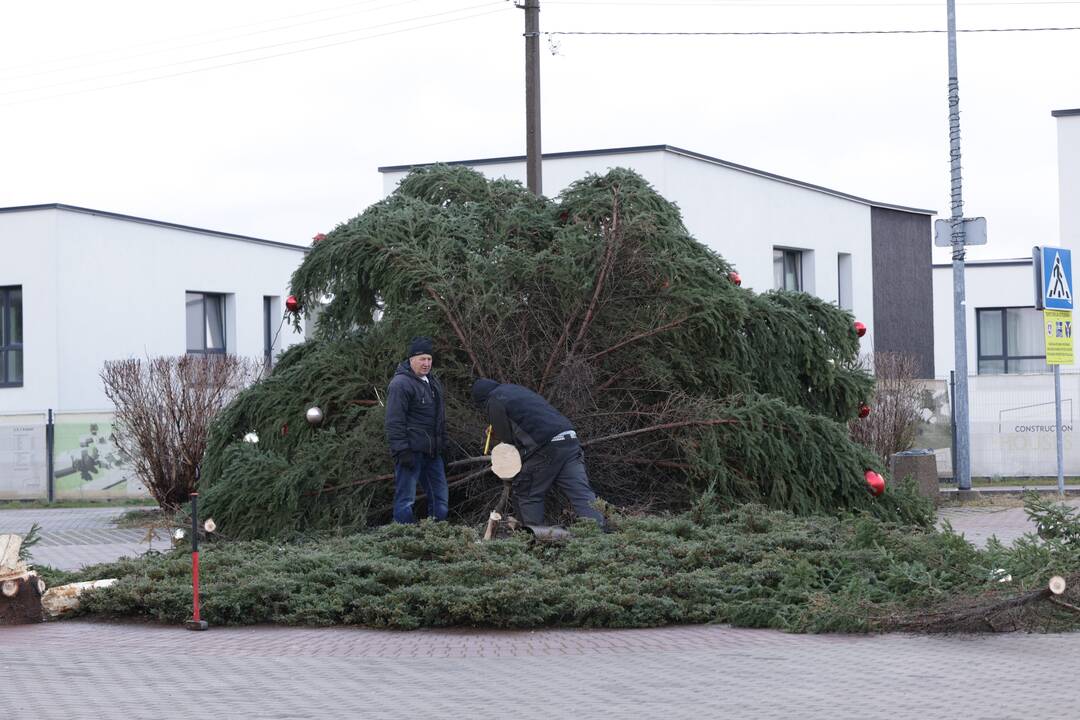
(532, 96)
(962, 446)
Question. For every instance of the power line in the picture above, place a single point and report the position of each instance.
(158, 41)
(241, 52)
(158, 49)
(751, 4)
(804, 32)
(501, 8)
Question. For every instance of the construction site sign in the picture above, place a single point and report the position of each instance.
(1059, 336)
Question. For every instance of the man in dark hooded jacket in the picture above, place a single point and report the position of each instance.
(416, 434)
(547, 441)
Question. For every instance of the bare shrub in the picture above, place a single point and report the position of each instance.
(164, 407)
(894, 410)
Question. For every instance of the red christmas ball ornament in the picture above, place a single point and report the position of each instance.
(285, 429)
(292, 304)
(864, 410)
(876, 483)
(734, 277)
(318, 238)
(860, 328)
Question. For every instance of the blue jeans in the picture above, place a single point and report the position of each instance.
(429, 472)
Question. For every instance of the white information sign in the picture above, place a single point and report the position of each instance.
(23, 468)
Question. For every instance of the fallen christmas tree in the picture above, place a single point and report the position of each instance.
(676, 377)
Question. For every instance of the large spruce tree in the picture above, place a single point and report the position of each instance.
(676, 378)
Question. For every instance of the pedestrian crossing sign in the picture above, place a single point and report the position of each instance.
(1056, 281)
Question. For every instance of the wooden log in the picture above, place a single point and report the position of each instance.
(9, 556)
(66, 598)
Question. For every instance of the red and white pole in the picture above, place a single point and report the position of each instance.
(195, 623)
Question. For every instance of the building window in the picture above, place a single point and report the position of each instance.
(270, 303)
(1010, 340)
(787, 269)
(11, 337)
(843, 282)
(205, 322)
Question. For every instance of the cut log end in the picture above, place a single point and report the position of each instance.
(20, 600)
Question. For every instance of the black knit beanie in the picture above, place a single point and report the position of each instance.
(420, 346)
(481, 389)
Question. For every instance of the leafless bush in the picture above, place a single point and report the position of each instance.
(890, 427)
(164, 407)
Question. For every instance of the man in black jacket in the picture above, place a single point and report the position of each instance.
(416, 434)
(547, 441)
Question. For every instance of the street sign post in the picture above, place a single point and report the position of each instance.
(974, 232)
(1052, 267)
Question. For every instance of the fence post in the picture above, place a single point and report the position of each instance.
(50, 444)
(952, 419)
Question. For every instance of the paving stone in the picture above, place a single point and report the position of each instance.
(979, 524)
(80, 669)
(85, 669)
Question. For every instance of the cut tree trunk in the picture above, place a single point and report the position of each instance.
(20, 589)
(24, 607)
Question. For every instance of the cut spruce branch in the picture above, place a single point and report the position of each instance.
(993, 614)
(477, 367)
(617, 436)
(639, 336)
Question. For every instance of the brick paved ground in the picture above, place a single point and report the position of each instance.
(977, 524)
(77, 669)
(73, 537)
(91, 670)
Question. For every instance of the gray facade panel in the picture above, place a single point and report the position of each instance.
(903, 285)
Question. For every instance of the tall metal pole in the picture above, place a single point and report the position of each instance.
(50, 447)
(1058, 431)
(532, 96)
(962, 447)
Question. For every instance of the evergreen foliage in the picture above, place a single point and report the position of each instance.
(749, 566)
(601, 301)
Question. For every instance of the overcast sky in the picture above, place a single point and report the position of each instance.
(177, 112)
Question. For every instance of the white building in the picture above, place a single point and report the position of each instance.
(1011, 394)
(868, 257)
(79, 287)
(1004, 331)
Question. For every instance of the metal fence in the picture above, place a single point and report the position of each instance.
(63, 456)
(1012, 424)
(71, 455)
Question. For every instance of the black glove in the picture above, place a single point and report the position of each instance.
(406, 460)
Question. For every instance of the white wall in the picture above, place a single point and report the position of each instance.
(740, 215)
(117, 290)
(743, 216)
(1069, 180)
(28, 257)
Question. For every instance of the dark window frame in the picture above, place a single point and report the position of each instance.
(1004, 357)
(797, 256)
(268, 336)
(224, 349)
(6, 345)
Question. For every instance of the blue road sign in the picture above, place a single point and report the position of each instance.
(1057, 278)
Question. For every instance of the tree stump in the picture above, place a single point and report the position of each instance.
(23, 606)
(20, 589)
